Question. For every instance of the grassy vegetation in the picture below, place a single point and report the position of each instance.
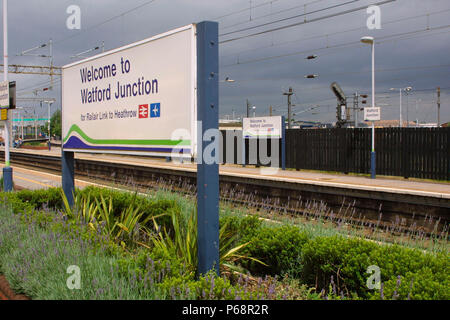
(35, 143)
(130, 246)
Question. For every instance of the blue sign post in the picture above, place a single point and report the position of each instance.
(207, 174)
(207, 64)
(68, 174)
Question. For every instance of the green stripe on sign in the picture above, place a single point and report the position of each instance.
(75, 128)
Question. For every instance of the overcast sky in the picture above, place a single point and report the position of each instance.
(413, 49)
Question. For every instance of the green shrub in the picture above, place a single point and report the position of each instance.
(11, 200)
(27, 200)
(421, 285)
(40, 198)
(157, 261)
(249, 226)
(347, 259)
(344, 259)
(243, 227)
(210, 287)
(279, 247)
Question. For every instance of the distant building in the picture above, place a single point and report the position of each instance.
(225, 124)
(428, 125)
(389, 124)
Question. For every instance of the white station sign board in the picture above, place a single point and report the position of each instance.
(4, 94)
(132, 99)
(262, 127)
(372, 114)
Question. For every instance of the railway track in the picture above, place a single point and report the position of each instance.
(367, 208)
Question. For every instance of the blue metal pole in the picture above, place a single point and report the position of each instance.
(7, 178)
(68, 175)
(283, 143)
(207, 174)
(372, 165)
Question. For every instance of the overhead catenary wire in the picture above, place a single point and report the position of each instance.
(335, 33)
(342, 45)
(38, 87)
(273, 13)
(40, 84)
(389, 70)
(104, 22)
(245, 9)
(304, 22)
(289, 18)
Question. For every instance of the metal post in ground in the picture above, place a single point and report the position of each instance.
(68, 174)
(7, 170)
(207, 173)
(373, 154)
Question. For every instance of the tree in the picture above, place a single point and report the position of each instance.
(55, 125)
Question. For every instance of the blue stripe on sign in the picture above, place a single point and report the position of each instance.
(76, 143)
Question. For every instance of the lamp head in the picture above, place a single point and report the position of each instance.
(367, 40)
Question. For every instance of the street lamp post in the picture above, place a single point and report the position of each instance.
(401, 120)
(407, 89)
(371, 41)
(49, 103)
(20, 117)
(407, 105)
(7, 170)
(417, 117)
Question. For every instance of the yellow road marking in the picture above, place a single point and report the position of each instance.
(34, 181)
(77, 181)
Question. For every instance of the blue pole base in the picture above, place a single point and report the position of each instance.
(372, 165)
(7, 179)
(68, 175)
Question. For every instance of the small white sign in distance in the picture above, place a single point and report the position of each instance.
(372, 114)
(4, 95)
(262, 127)
(132, 99)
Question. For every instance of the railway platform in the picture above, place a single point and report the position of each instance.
(396, 185)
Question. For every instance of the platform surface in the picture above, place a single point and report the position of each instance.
(381, 183)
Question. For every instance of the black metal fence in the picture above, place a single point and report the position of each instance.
(406, 152)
